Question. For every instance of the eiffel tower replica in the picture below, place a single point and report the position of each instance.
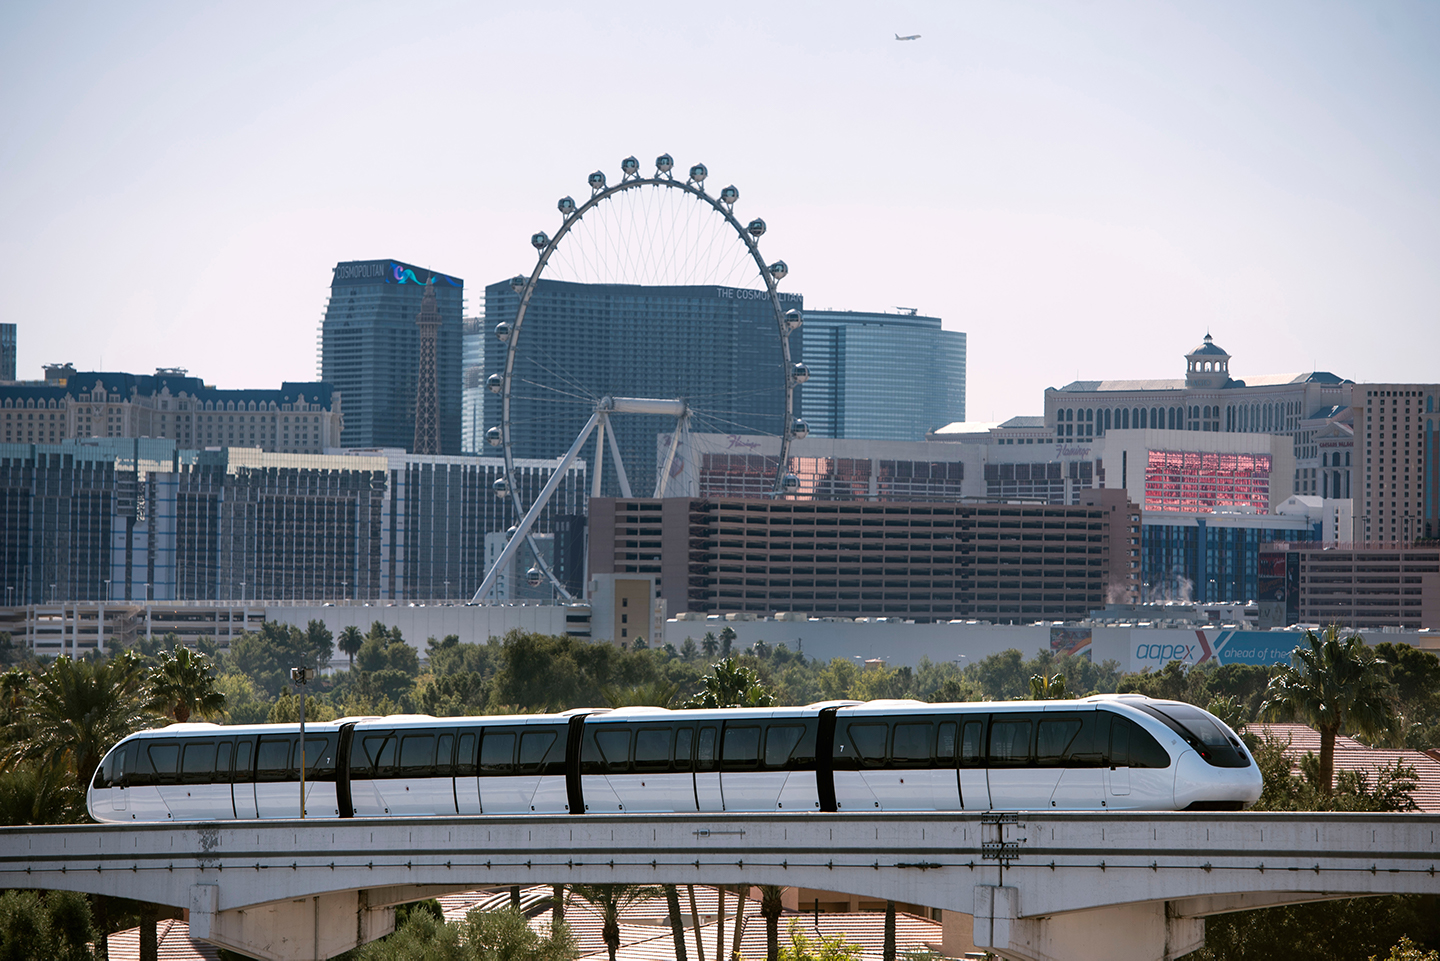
(427, 405)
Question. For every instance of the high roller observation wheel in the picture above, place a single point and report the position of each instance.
(786, 322)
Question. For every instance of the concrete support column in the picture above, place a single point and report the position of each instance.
(1147, 931)
(301, 929)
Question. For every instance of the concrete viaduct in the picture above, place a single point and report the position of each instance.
(1040, 886)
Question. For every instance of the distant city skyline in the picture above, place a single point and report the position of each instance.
(1078, 189)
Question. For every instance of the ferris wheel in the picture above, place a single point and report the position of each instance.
(639, 234)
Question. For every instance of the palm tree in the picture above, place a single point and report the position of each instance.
(659, 693)
(889, 949)
(1044, 688)
(677, 925)
(183, 685)
(732, 686)
(1335, 685)
(350, 642)
(80, 709)
(770, 908)
(610, 900)
(727, 638)
(710, 644)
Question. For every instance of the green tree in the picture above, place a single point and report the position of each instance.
(802, 948)
(350, 641)
(182, 684)
(40, 792)
(384, 653)
(732, 686)
(78, 710)
(771, 908)
(55, 926)
(245, 703)
(838, 679)
(610, 900)
(1405, 950)
(689, 651)
(267, 655)
(657, 693)
(286, 710)
(727, 640)
(1044, 688)
(710, 644)
(1335, 685)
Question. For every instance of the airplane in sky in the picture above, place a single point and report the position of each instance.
(913, 36)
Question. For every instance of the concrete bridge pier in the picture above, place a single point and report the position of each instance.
(1147, 931)
(319, 926)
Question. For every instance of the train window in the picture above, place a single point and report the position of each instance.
(614, 747)
(417, 755)
(465, 756)
(705, 750)
(198, 766)
(272, 762)
(945, 741)
(319, 755)
(380, 754)
(164, 760)
(1119, 742)
(780, 742)
(869, 743)
(106, 771)
(244, 768)
(1201, 732)
(740, 750)
(444, 756)
(222, 761)
(911, 745)
(1010, 740)
(652, 748)
(1053, 739)
(972, 750)
(684, 744)
(1145, 751)
(534, 748)
(497, 754)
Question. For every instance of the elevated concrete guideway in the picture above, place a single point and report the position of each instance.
(1121, 886)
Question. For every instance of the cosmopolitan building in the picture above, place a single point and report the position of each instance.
(137, 520)
(881, 376)
(8, 352)
(370, 351)
(715, 347)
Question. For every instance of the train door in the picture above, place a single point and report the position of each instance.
(1117, 775)
(372, 760)
(604, 759)
(501, 790)
(971, 774)
(753, 763)
(919, 768)
(321, 800)
(277, 784)
(1017, 783)
(203, 794)
(542, 769)
(1082, 780)
(652, 783)
(156, 774)
(242, 787)
(707, 769)
(416, 790)
(119, 789)
(467, 784)
(859, 745)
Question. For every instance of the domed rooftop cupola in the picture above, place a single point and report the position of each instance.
(1207, 366)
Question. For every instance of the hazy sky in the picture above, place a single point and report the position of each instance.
(1084, 187)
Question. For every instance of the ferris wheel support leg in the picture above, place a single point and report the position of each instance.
(528, 520)
(619, 465)
(662, 479)
(599, 454)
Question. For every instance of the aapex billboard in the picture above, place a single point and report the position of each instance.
(1152, 650)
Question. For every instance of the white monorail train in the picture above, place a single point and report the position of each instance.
(1108, 752)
